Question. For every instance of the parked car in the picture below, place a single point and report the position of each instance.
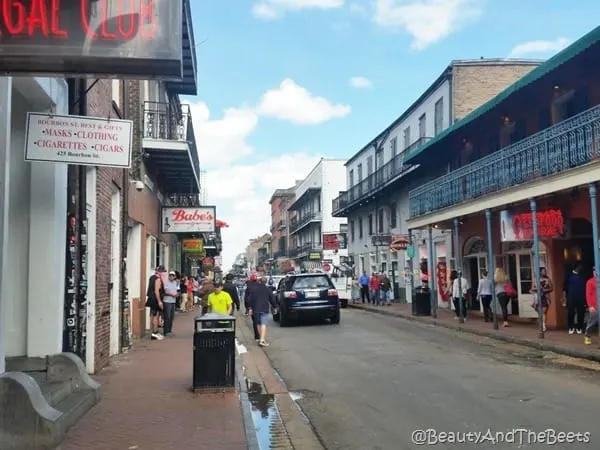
(310, 295)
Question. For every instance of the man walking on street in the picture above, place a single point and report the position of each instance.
(172, 289)
(250, 285)
(154, 300)
(261, 298)
(230, 288)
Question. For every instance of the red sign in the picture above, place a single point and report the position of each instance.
(550, 224)
(74, 35)
(399, 242)
(331, 242)
(326, 267)
(207, 261)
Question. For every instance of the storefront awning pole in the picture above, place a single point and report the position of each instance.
(491, 263)
(461, 317)
(596, 239)
(536, 259)
(432, 293)
(411, 275)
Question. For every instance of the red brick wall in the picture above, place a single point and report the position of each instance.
(99, 104)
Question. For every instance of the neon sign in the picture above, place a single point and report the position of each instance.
(550, 224)
(90, 36)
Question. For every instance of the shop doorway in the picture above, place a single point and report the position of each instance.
(115, 272)
(475, 261)
(579, 249)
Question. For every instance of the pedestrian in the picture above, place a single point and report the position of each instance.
(205, 290)
(219, 301)
(230, 288)
(260, 299)
(386, 290)
(355, 290)
(250, 285)
(591, 297)
(375, 287)
(546, 288)
(189, 287)
(458, 292)
(574, 299)
(484, 292)
(154, 300)
(183, 294)
(503, 290)
(172, 290)
(363, 281)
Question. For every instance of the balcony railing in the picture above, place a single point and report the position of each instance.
(559, 148)
(298, 222)
(376, 180)
(164, 121)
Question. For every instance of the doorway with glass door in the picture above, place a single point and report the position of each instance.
(475, 262)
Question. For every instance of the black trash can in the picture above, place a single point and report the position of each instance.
(214, 352)
(421, 302)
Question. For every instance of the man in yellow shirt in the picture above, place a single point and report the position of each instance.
(219, 301)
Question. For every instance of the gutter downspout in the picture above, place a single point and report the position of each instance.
(125, 304)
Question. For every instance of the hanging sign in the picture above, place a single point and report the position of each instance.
(92, 37)
(189, 220)
(519, 227)
(399, 242)
(88, 141)
(192, 246)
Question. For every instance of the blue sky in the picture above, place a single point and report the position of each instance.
(275, 80)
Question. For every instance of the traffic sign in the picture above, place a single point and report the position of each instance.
(410, 251)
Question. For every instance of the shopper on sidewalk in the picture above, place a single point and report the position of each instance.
(484, 292)
(260, 299)
(172, 290)
(250, 285)
(220, 301)
(155, 294)
(363, 281)
(574, 299)
(230, 288)
(591, 297)
(459, 291)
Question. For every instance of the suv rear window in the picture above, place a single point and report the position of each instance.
(316, 282)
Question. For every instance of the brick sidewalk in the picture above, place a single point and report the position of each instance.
(558, 341)
(147, 403)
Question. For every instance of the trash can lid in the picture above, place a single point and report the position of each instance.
(215, 316)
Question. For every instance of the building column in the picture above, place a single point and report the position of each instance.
(458, 259)
(5, 131)
(491, 264)
(431, 269)
(596, 239)
(536, 265)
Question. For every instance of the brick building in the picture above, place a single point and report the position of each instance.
(378, 178)
(280, 223)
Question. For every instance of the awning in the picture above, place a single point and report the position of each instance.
(592, 38)
(221, 224)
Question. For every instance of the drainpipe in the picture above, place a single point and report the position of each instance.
(458, 259)
(536, 260)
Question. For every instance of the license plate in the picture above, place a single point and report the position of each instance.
(312, 295)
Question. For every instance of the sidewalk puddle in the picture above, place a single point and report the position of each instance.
(264, 414)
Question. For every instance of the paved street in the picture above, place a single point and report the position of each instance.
(371, 381)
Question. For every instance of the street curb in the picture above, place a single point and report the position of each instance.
(249, 428)
(544, 346)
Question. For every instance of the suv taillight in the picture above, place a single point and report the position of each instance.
(289, 294)
(332, 293)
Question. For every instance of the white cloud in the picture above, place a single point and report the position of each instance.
(540, 47)
(295, 104)
(361, 83)
(222, 141)
(271, 9)
(427, 21)
(242, 192)
(357, 8)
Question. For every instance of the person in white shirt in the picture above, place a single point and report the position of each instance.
(457, 292)
(484, 292)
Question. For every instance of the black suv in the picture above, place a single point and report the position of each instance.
(311, 295)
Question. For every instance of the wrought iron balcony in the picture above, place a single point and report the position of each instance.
(376, 181)
(301, 221)
(559, 148)
(168, 137)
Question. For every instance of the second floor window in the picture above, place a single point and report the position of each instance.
(380, 218)
(360, 228)
(351, 178)
(379, 161)
(369, 165)
(393, 216)
(423, 126)
(394, 147)
(406, 137)
(438, 122)
(371, 224)
(352, 230)
(360, 174)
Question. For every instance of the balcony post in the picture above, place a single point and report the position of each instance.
(411, 275)
(596, 241)
(458, 259)
(536, 261)
(491, 264)
(432, 291)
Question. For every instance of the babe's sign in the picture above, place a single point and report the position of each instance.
(519, 227)
(189, 220)
(86, 33)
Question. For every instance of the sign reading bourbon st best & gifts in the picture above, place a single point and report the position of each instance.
(125, 38)
(89, 141)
